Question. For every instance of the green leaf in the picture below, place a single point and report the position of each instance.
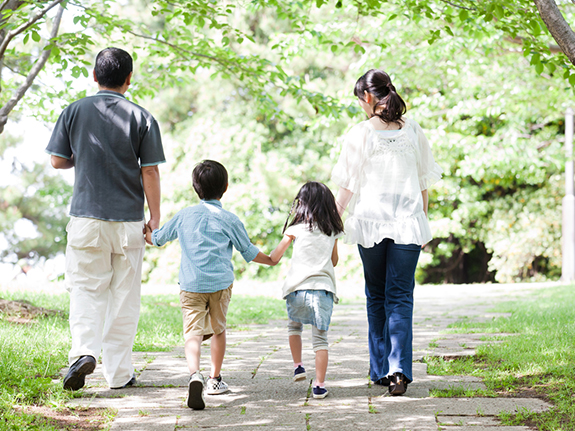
(463, 14)
(26, 38)
(572, 80)
(333, 48)
(392, 16)
(339, 4)
(448, 30)
(539, 68)
(498, 11)
(35, 36)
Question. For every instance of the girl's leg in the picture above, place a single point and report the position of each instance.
(320, 345)
(401, 263)
(295, 344)
(374, 264)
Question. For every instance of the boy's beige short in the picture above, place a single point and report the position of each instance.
(205, 313)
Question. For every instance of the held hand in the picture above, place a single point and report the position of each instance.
(148, 234)
(153, 224)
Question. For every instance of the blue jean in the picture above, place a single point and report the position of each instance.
(389, 271)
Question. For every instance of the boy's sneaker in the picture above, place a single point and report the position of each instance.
(216, 386)
(196, 392)
(319, 392)
(299, 373)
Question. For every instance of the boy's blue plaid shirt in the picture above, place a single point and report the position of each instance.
(207, 234)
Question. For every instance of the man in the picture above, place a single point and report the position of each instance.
(115, 147)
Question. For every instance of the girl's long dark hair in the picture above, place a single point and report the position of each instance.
(378, 83)
(315, 205)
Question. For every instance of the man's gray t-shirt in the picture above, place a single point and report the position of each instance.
(111, 138)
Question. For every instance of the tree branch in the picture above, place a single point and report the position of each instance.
(459, 6)
(9, 106)
(555, 49)
(13, 33)
(557, 26)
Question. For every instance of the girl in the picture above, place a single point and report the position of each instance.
(309, 288)
(386, 165)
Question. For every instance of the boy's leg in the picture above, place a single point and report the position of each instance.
(195, 318)
(218, 351)
(192, 349)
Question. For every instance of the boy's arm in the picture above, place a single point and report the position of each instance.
(279, 251)
(334, 256)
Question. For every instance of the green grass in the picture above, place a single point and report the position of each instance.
(538, 361)
(32, 355)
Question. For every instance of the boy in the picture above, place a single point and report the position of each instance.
(207, 233)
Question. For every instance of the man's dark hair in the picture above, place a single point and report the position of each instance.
(210, 179)
(113, 65)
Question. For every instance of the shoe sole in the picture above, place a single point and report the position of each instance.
(320, 396)
(218, 392)
(77, 379)
(196, 395)
(299, 377)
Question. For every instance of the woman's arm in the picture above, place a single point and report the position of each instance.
(425, 197)
(334, 256)
(279, 251)
(342, 199)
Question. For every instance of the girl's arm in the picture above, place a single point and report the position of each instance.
(334, 256)
(425, 197)
(342, 199)
(279, 251)
(264, 258)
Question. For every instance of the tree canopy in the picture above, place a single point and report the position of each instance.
(266, 88)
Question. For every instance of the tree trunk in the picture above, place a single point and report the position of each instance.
(557, 26)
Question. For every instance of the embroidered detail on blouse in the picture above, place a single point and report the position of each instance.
(398, 144)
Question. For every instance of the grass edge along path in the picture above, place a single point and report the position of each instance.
(537, 361)
(33, 353)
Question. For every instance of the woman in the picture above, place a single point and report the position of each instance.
(383, 173)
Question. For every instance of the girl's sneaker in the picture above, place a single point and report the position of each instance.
(319, 392)
(299, 373)
(196, 392)
(216, 386)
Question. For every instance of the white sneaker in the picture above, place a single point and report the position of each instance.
(196, 392)
(216, 386)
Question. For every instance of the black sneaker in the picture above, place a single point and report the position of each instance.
(319, 392)
(397, 384)
(76, 377)
(299, 373)
(131, 382)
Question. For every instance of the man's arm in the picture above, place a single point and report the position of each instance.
(61, 162)
(152, 190)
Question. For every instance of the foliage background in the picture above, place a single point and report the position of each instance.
(492, 111)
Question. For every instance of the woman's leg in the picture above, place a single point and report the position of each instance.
(400, 270)
(374, 264)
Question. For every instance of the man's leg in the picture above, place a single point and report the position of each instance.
(88, 274)
(123, 308)
(218, 351)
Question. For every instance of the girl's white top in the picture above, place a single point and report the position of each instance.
(311, 267)
(386, 171)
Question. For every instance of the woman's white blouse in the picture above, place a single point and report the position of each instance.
(386, 171)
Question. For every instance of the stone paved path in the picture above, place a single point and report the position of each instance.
(258, 369)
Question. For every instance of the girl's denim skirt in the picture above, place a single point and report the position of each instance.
(310, 307)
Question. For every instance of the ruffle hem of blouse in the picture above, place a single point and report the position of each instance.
(367, 233)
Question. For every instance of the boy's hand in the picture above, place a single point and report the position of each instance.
(148, 234)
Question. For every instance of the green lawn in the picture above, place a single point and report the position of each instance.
(539, 360)
(32, 354)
